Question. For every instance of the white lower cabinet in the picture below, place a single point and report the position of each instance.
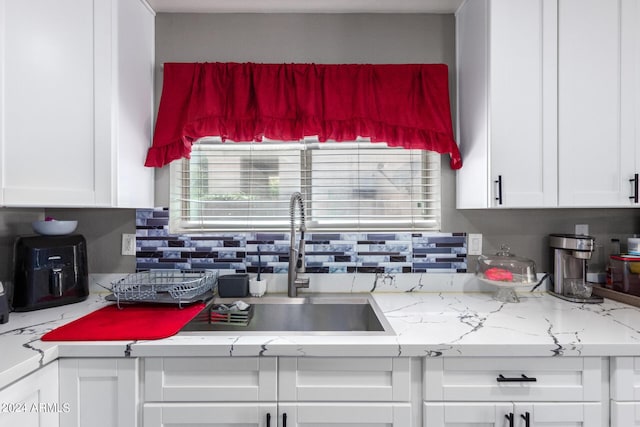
(33, 401)
(101, 392)
(283, 392)
(625, 391)
(327, 392)
(521, 392)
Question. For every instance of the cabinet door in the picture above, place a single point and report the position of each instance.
(344, 414)
(507, 89)
(210, 414)
(472, 180)
(558, 414)
(133, 118)
(53, 135)
(76, 106)
(497, 414)
(625, 414)
(101, 392)
(466, 414)
(522, 113)
(629, 86)
(597, 91)
(33, 401)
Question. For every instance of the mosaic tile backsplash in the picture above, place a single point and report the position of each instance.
(374, 252)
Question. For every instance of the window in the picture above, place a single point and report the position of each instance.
(346, 185)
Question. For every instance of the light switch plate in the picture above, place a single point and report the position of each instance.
(128, 244)
(474, 244)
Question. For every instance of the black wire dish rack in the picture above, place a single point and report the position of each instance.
(165, 287)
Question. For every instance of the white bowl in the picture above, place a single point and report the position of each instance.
(54, 228)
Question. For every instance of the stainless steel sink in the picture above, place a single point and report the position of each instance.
(317, 315)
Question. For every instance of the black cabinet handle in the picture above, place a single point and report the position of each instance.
(268, 419)
(521, 379)
(634, 180)
(284, 420)
(509, 416)
(499, 182)
(526, 417)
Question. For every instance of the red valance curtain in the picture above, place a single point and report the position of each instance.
(403, 105)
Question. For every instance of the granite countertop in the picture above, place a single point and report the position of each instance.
(446, 324)
(430, 324)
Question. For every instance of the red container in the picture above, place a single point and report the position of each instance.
(625, 274)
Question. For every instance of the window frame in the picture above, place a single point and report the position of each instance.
(430, 162)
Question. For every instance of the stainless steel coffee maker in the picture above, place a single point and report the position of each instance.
(569, 257)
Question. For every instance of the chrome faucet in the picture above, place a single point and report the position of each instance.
(296, 256)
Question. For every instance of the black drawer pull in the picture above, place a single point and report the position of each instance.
(499, 182)
(284, 420)
(509, 416)
(522, 379)
(527, 419)
(634, 181)
(268, 419)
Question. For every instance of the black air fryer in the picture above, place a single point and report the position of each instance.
(49, 271)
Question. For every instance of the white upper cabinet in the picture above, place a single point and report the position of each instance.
(506, 104)
(598, 102)
(76, 102)
(549, 101)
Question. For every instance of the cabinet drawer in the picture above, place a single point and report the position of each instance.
(340, 379)
(509, 379)
(210, 414)
(625, 378)
(210, 379)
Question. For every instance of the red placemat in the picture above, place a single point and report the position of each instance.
(132, 322)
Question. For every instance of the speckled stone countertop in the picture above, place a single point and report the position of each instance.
(450, 322)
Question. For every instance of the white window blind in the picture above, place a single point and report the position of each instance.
(347, 186)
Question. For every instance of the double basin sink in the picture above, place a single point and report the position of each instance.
(311, 315)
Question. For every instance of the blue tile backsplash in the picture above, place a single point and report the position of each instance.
(346, 252)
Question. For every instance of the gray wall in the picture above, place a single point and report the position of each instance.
(102, 229)
(372, 38)
(13, 223)
(319, 38)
